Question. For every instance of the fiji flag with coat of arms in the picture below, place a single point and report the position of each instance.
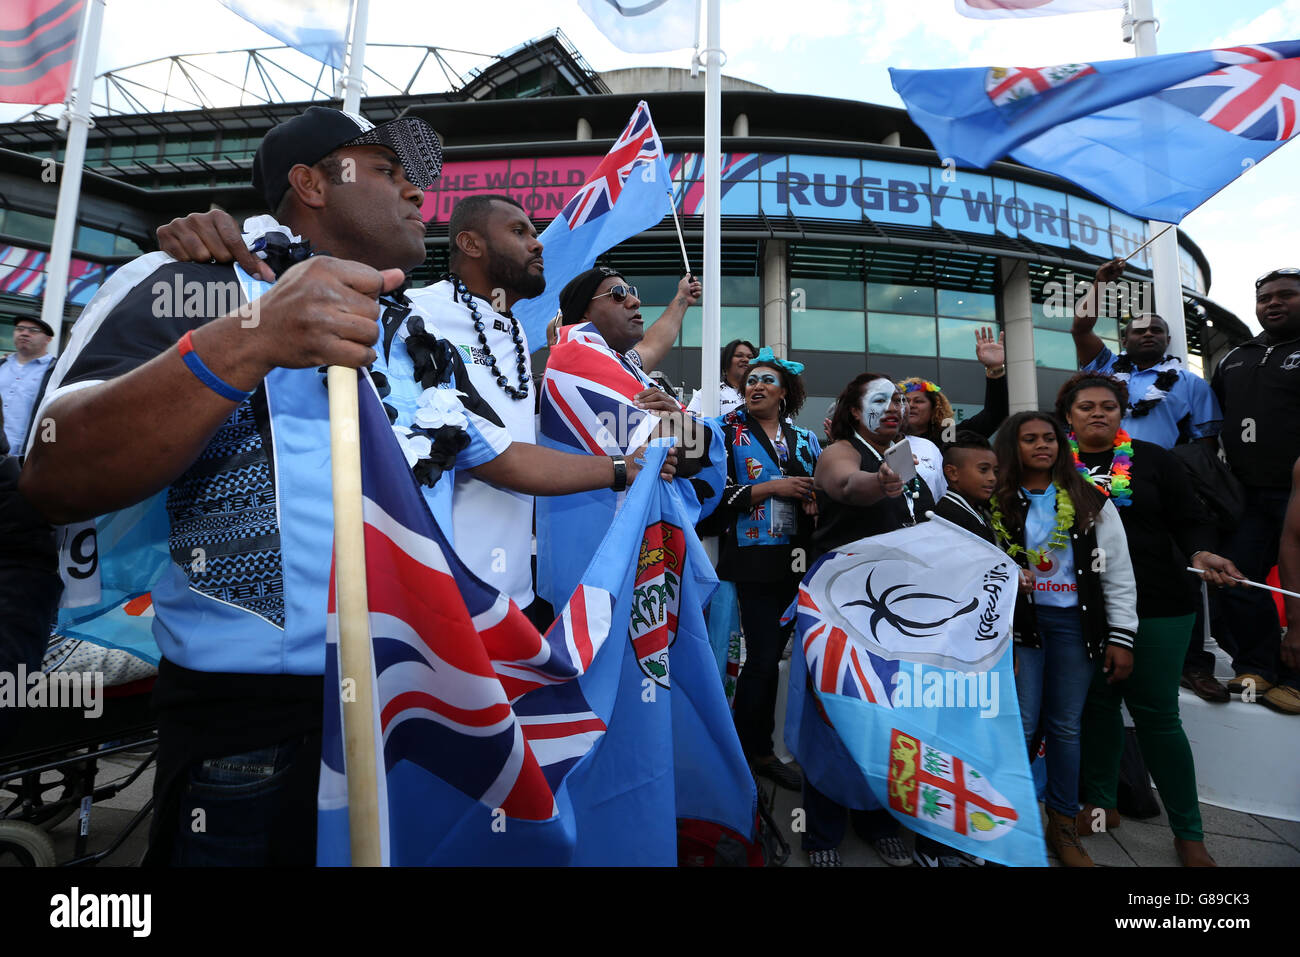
(901, 690)
(630, 191)
(498, 745)
(1153, 136)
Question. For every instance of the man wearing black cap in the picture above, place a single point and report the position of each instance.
(225, 413)
(21, 375)
(596, 398)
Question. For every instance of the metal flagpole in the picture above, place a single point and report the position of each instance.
(76, 120)
(1165, 272)
(711, 341)
(353, 81)
(359, 744)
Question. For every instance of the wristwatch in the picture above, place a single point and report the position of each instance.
(995, 372)
(620, 473)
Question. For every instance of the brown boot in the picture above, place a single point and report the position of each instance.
(1088, 821)
(1193, 853)
(1063, 838)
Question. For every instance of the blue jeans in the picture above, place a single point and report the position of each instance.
(256, 809)
(1052, 685)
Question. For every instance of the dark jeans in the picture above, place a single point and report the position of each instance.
(29, 600)
(256, 809)
(825, 821)
(761, 606)
(1250, 619)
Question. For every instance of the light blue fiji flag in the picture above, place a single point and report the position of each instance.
(498, 745)
(630, 191)
(902, 694)
(317, 28)
(1153, 136)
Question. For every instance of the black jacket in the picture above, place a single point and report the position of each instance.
(1258, 385)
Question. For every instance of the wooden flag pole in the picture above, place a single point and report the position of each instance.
(356, 685)
(1147, 243)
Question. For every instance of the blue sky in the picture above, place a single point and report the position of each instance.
(832, 48)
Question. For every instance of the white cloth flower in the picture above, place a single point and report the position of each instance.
(414, 447)
(440, 407)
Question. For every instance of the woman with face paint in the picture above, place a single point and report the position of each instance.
(770, 504)
(859, 495)
(1077, 603)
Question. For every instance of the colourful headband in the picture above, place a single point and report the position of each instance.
(766, 354)
(920, 385)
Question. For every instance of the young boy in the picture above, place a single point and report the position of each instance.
(971, 470)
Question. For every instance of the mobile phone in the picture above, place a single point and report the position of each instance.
(899, 458)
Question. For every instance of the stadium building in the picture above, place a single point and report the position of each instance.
(846, 242)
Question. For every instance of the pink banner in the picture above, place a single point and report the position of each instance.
(541, 184)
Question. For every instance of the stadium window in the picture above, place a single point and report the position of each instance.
(121, 150)
(900, 335)
(829, 330)
(883, 297)
(125, 246)
(738, 322)
(968, 305)
(28, 226)
(809, 293)
(957, 337)
(1054, 350)
(147, 149)
(97, 242)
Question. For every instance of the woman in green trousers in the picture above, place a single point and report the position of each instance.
(1167, 530)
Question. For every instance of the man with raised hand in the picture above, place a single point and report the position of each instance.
(175, 383)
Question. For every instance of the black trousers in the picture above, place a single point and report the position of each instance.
(29, 600)
(761, 606)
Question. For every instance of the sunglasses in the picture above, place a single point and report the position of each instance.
(1276, 274)
(619, 292)
(766, 378)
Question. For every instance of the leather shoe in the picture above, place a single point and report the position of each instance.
(1085, 819)
(784, 775)
(1206, 687)
(1282, 698)
(1259, 683)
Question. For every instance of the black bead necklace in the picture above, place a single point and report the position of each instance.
(521, 358)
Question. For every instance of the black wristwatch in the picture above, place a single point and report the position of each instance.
(620, 473)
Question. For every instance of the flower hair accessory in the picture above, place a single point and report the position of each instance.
(918, 385)
(766, 354)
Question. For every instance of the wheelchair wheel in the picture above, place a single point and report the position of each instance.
(25, 845)
(46, 799)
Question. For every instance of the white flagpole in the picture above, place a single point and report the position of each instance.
(355, 659)
(1165, 272)
(711, 341)
(76, 120)
(353, 81)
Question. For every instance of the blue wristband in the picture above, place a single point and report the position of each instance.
(206, 375)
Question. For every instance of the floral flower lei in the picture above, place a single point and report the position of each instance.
(1121, 469)
(1058, 539)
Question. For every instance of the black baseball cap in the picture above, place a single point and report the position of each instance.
(313, 135)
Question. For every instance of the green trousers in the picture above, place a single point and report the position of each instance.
(1151, 693)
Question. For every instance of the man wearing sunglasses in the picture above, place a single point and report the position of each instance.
(1258, 385)
(596, 398)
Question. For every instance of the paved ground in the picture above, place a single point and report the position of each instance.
(1235, 839)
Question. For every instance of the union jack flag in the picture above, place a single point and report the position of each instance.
(1256, 95)
(466, 689)
(587, 396)
(637, 145)
(837, 665)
